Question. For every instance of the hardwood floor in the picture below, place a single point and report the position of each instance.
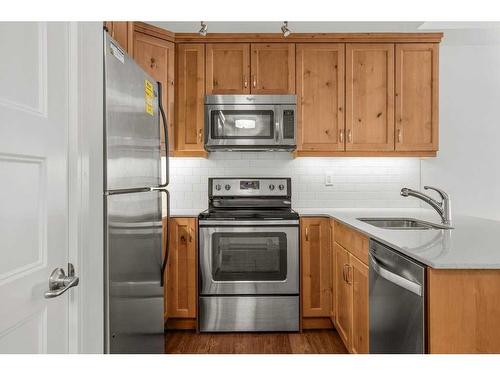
(308, 342)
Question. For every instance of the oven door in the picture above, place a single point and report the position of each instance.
(241, 126)
(248, 260)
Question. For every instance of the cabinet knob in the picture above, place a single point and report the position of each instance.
(399, 136)
(341, 136)
(152, 62)
(254, 81)
(245, 82)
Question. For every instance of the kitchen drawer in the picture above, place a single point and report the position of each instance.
(351, 240)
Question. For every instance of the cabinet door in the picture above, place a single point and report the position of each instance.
(333, 274)
(320, 97)
(343, 293)
(417, 72)
(315, 248)
(156, 57)
(370, 97)
(181, 270)
(190, 98)
(358, 277)
(273, 68)
(122, 32)
(228, 68)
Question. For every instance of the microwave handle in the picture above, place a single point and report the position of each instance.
(278, 113)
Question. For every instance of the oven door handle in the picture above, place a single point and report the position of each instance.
(395, 278)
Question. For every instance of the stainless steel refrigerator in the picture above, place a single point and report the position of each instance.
(133, 193)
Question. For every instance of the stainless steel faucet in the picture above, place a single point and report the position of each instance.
(443, 208)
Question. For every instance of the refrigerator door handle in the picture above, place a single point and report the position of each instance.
(165, 131)
(167, 232)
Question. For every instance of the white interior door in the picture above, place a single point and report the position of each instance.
(33, 185)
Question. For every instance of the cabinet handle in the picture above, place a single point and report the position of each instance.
(200, 136)
(152, 63)
(254, 81)
(349, 136)
(190, 234)
(343, 272)
(245, 82)
(341, 136)
(399, 136)
(349, 274)
(307, 233)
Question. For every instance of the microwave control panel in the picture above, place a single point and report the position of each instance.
(288, 123)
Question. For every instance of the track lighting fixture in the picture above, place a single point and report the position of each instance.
(285, 30)
(204, 28)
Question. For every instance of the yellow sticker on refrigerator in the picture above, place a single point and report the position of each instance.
(148, 97)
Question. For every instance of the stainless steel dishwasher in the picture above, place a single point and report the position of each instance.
(397, 298)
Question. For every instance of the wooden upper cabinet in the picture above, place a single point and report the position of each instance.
(358, 277)
(315, 255)
(417, 72)
(228, 68)
(190, 99)
(320, 97)
(343, 294)
(157, 57)
(273, 68)
(122, 32)
(370, 97)
(180, 290)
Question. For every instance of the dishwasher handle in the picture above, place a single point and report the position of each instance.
(395, 278)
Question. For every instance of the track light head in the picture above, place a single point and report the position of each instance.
(204, 28)
(285, 30)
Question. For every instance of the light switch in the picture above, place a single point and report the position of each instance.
(328, 180)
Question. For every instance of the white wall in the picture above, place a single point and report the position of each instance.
(357, 182)
(468, 163)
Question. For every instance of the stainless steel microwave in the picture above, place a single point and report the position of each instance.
(250, 122)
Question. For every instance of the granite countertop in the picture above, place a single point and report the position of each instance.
(474, 243)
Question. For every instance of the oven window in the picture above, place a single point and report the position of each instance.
(242, 124)
(249, 256)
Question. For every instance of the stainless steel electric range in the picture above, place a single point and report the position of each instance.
(249, 257)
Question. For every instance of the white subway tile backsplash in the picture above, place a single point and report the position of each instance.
(357, 182)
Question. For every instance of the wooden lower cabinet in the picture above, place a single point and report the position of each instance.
(351, 288)
(359, 282)
(316, 283)
(181, 274)
(343, 315)
(463, 311)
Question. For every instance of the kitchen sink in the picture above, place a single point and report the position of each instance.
(401, 223)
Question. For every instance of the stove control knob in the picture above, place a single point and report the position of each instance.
(218, 187)
(281, 187)
(271, 187)
(227, 187)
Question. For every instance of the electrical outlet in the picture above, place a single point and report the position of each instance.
(328, 180)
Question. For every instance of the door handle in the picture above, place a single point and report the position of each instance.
(395, 278)
(59, 282)
(165, 131)
(276, 131)
(167, 232)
